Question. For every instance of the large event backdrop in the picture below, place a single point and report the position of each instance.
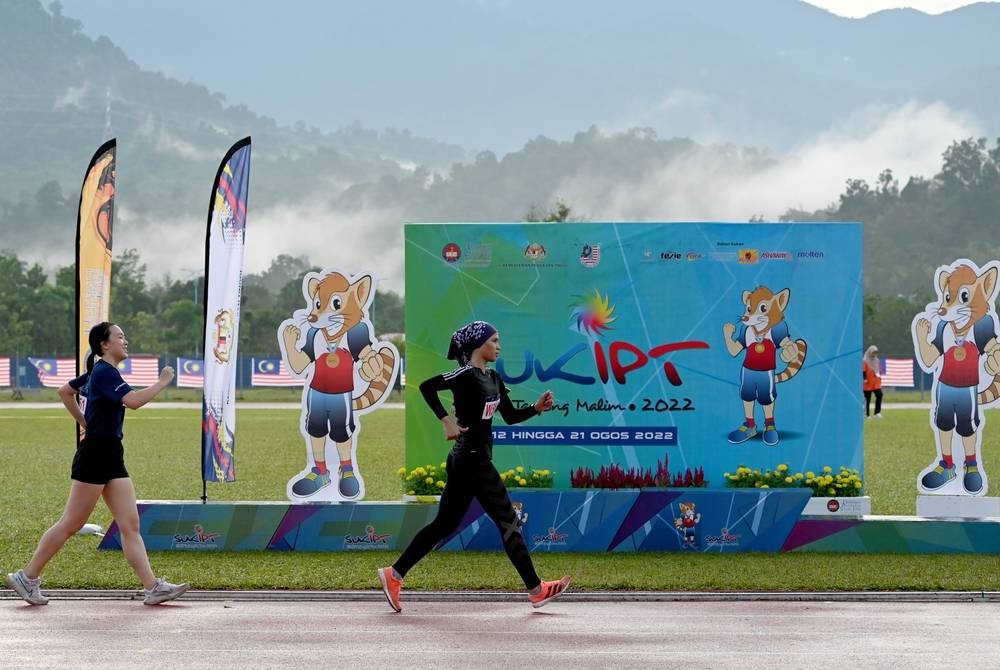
(626, 322)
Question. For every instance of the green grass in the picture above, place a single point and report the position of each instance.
(162, 453)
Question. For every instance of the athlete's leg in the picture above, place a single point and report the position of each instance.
(119, 494)
(493, 496)
(82, 499)
(455, 500)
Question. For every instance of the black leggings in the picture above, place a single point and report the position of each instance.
(878, 401)
(470, 476)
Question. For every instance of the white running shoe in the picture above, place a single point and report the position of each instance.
(164, 591)
(27, 588)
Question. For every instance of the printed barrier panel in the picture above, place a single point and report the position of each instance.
(581, 520)
(694, 346)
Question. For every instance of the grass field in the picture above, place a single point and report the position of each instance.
(163, 455)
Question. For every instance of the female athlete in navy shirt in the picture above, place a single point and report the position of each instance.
(99, 466)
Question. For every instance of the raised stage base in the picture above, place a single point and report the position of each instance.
(577, 520)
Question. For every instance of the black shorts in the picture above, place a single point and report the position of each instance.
(98, 461)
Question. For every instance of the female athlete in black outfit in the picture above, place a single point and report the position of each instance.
(478, 393)
(99, 466)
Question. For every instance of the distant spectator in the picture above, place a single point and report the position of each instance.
(872, 377)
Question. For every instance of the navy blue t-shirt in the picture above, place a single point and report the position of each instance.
(101, 392)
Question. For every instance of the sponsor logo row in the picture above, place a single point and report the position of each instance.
(536, 255)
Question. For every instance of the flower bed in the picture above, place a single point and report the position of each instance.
(429, 480)
(615, 477)
(846, 483)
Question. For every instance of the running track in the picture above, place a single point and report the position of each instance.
(218, 631)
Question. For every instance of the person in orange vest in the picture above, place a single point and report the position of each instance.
(872, 381)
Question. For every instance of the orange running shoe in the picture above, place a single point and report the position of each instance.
(390, 587)
(548, 591)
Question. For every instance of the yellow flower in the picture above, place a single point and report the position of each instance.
(522, 481)
(827, 468)
(401, 472)
(429, 480)
(519, 469)
(439, 484)
(789, 480)
(782, 467)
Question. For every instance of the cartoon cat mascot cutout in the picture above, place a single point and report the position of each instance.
(955, 340)
(763, 336)
(348, 373)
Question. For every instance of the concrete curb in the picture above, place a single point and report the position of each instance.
(509, 596)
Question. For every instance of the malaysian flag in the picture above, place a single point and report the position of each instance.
(272, 372)
(896, 371)
(4, 371)
(140, 370)
(54, 372)
(190, 373)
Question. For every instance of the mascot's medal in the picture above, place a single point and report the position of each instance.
(960, 349)
(333, 360)
(759, 348)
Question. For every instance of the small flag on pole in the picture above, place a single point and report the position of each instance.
(140, 370)
(54, 372)
(896, 371)
(190, 373)
(4, 371)
(272, 372)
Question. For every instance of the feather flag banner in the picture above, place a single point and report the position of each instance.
(94, 225)
(224, 251)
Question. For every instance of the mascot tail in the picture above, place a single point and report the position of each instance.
(990, 393)
(795, 365)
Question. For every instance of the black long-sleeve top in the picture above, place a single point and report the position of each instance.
(478, 394)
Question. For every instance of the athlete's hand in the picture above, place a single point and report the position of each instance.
(166, 375)
(452, 430)
(545, 401)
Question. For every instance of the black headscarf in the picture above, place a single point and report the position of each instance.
(466, 339)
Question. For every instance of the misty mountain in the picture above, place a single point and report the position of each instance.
(492, 75)
(638, 81)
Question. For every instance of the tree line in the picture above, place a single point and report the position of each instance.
(912, 230)
(37, 312)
